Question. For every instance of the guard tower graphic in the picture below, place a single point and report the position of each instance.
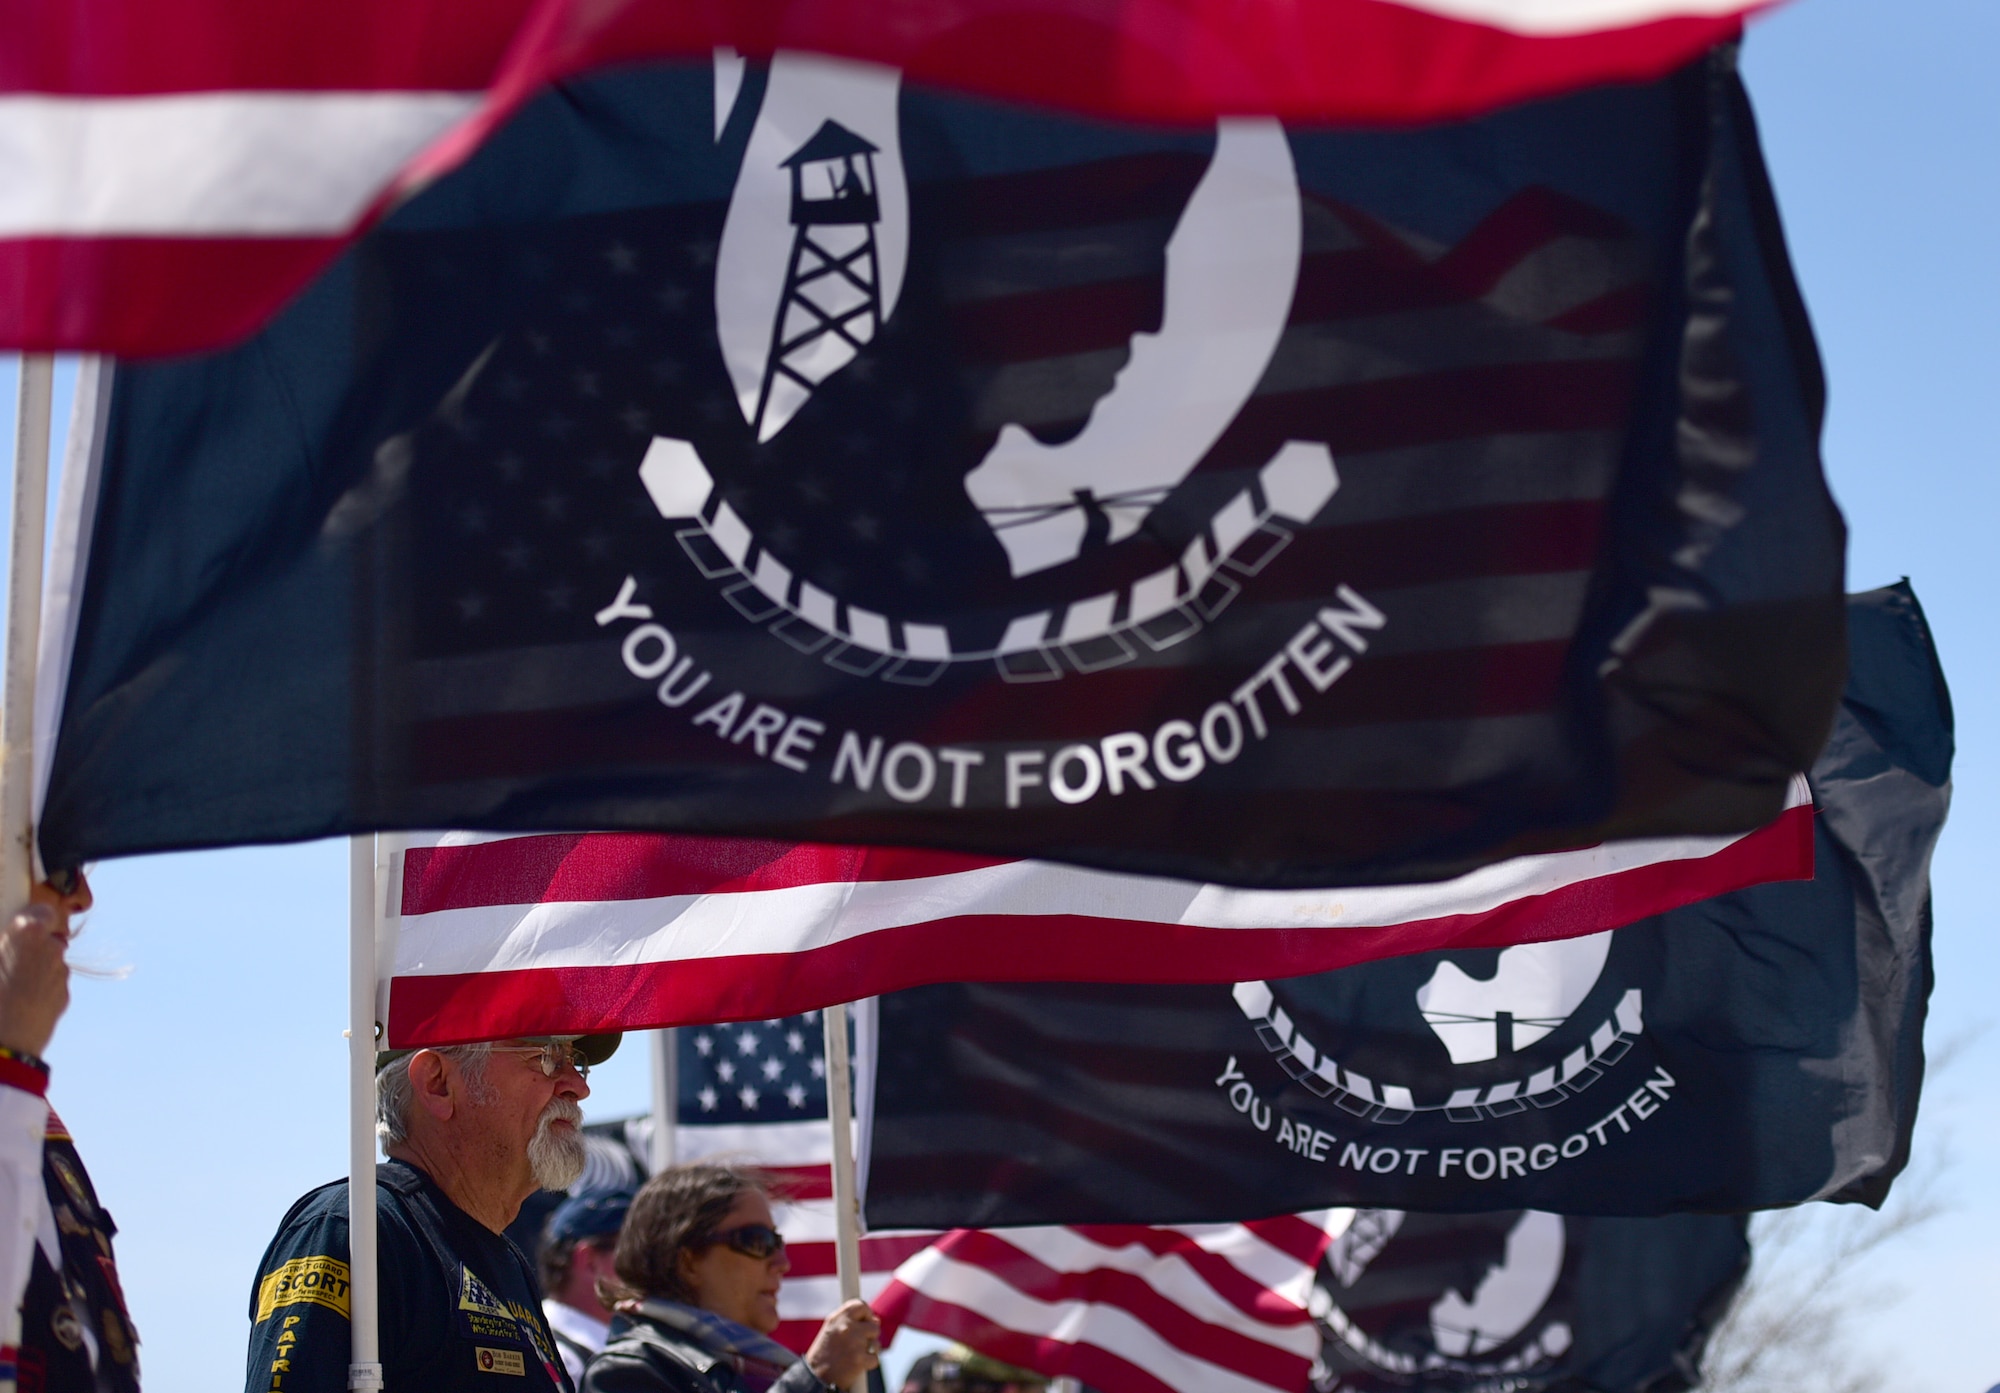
(831, 303)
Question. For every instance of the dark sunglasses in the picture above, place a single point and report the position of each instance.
(758, 1241)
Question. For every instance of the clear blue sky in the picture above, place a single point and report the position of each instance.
(206, 1085)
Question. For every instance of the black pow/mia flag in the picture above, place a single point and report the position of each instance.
(1522, 1300)
(802, 452)
(1761, 1048)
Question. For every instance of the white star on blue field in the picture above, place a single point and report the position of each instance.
(754, 1071)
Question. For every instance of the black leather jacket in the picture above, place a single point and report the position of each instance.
(643, 1356)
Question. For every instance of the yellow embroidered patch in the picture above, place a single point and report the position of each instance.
(320, 1281)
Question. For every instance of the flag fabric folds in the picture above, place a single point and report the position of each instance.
(1126, 1309)
(1759, 1049)
(1330, 1300)
(491, 937)
(1462, 1303)
(1365, 1301)
(802, 451)
(167, 180)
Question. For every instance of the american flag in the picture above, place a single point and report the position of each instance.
(170, 182)
(491, 936)
(1219, 1308)
(1198, 1308)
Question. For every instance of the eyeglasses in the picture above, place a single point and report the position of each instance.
(553, 1055)
(759, 1241)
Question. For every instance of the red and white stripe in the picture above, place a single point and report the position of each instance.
(1215, 1307)
(491, 936)
(171, 171)
(1127, 1309)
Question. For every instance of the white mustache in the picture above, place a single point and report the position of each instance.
(560, 1109)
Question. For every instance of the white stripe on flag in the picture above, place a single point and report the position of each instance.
(762, 1143)
(261, 164)
(1555, 17)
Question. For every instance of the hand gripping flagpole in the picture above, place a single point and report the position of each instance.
(17, 698)
(846, 1201)
(364, 1369)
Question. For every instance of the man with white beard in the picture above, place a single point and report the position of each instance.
(471, 1131)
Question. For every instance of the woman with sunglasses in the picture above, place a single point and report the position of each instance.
(698, 1266)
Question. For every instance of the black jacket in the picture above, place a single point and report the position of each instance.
(460, 1312)
(643, 1356)
(58, 1308)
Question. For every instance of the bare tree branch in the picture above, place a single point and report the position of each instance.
(1815, 1277)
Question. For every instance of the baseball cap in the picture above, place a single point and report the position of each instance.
(592, 1049)
(587, 1214)
(965, 1364)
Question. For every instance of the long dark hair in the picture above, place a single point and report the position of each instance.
(674, 1212)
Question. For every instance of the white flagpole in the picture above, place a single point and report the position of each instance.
(364, 1369)
(17, 696)
(846, 1200)
(666, 1101)
(24, 627)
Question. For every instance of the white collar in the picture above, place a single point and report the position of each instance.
(579, 1326)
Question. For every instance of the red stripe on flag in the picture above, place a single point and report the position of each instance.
(1230, 1282)
(796, 1335)
(1290, 1234)
(453, 1008)
(1337, 59)
(591, 867)
(137, 47)
(878, 1254)
(148, 295)
(795, 1183)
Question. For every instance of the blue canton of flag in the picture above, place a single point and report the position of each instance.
(753, 1071)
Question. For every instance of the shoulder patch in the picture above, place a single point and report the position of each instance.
(475, 1295)
(316, 1281)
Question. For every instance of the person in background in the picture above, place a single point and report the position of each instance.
(575, 1259)
(918, 1377)
(56, 1264)
(471, 1131)
(697, 1271)
(958, 1369)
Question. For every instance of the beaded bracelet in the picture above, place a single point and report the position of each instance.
(33, 1061)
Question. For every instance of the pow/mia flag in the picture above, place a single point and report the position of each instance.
(1460, 1303)
(1757, 1049)
(801, 451)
